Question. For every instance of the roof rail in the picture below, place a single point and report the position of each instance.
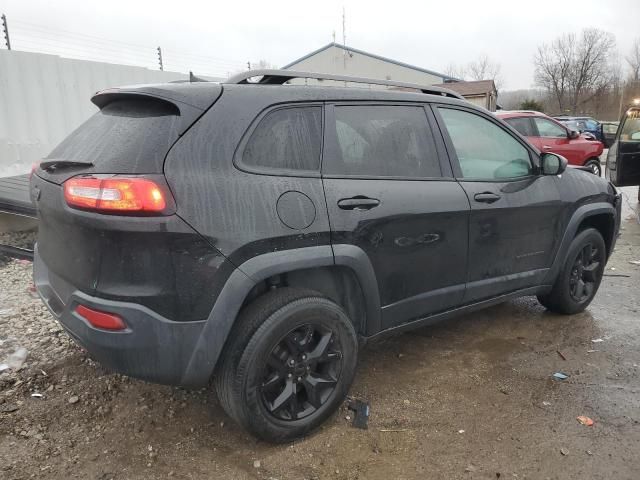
(279, 77)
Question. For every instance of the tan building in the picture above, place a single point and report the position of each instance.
(340, 60)
(480, 92)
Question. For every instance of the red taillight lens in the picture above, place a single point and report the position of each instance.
(115, 194)
(103, 320)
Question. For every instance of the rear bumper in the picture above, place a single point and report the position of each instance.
(151, 348)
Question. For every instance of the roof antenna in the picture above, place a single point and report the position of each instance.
(193, 78)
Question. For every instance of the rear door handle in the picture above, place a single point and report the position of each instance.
(358, 203)
(486, 197)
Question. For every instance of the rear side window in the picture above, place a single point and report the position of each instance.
(126, 136)
(383, 141)
(523, 125)
(286, 139)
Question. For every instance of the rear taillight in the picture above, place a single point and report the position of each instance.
(98, 319)
(116, 194)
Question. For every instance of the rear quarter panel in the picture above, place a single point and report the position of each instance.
(233, 209)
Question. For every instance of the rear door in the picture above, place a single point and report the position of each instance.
(389, 193)
(515, 213)
(623, 159)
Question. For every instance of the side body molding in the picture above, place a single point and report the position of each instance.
(242, 280)
(582, 213)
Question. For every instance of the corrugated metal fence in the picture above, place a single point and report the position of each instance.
(43, 98)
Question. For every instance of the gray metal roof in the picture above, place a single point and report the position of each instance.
(372, 55)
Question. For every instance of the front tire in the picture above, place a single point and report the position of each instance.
(580, 276)
(289, 363)
(594, 166)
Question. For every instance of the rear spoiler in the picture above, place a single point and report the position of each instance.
(188, 100)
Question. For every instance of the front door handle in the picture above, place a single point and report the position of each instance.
(358, 203)
(546, 147)
(486, 197)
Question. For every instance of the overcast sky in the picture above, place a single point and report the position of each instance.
(229, 33)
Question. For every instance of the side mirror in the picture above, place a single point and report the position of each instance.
(553, 164)
(573, 134)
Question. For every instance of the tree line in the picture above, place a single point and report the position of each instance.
(576, 73)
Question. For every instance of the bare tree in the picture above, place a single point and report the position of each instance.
(485, 69)
(633, 59)
(574, 67)
(456, 71)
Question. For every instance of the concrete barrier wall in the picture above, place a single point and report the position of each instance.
(43, 98)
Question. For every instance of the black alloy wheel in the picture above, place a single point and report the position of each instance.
(584, 278)
(302, 372)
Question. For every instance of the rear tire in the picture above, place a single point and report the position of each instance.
(580, 276)
(288, 364)
(594, 166)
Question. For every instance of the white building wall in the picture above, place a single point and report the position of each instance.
(332, 60)
(43, 98)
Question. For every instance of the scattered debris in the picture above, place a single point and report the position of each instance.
(592, 351)
(37, 395)
(564, 451)
(6, 311)
(634, 262)
(394, 429)
(546, 404)
(460, 431)
(471, 468)
(585, 421)
(597, 340)
(361, 417)
(15, 360)
(560, 376)
(622, 275)
(256, 464)
(8, 408)
(561, 355)
(73, 399)
(589, 452)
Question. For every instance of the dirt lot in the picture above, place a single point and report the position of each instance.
(471, 398)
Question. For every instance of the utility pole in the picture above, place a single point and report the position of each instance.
(344, 39)
(248, 65)
(5, 29)
(160, 59)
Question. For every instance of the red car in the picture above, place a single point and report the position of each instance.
(549, 135)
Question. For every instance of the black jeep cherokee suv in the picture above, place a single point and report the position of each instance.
(255, 234)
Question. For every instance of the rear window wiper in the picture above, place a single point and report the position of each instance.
(56, 164)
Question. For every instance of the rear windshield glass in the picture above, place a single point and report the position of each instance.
(126, 136)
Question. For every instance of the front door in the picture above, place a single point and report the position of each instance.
(515, 221)
(390, 192)
(623, 159)
(553, 137)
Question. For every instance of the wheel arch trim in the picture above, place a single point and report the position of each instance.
(228, 304)
(581, 214)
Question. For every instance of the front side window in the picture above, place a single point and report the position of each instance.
(286, 139)
(547, 128)
(484, 150)
(383, 141)
(522, 125)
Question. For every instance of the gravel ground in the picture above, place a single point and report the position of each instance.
(471, 398)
